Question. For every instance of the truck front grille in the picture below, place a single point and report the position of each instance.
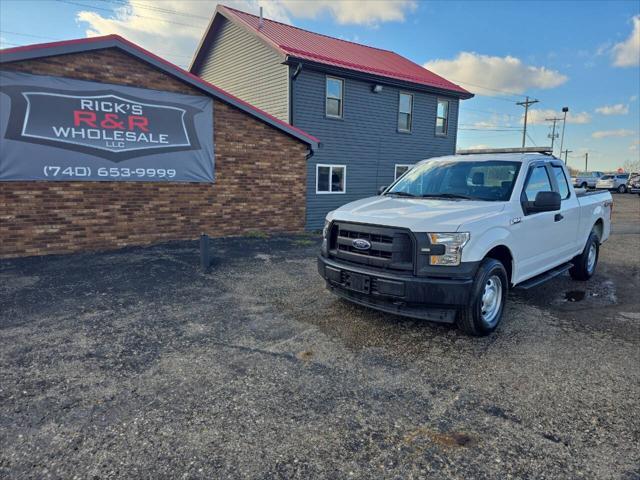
(390, 248)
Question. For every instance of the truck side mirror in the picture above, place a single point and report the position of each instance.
(381, 190)
(545, 202)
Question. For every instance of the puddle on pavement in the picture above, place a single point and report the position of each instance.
(575, 295)
(443, 439)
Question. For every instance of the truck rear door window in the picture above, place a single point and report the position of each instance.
(561, 180)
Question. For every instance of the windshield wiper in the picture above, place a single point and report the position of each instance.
(446, 195)
(401, 194)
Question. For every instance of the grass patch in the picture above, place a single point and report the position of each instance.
(303, 242)
(257, 234)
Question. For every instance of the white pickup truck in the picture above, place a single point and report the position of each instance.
(449, 238)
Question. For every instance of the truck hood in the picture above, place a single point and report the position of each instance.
(416, 214)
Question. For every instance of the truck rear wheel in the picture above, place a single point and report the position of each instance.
(488, 297)
(584, 265)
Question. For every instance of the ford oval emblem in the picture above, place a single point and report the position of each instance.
(361, 244)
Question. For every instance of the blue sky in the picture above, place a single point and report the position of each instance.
(584, 55)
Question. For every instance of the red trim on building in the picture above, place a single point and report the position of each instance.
(170, 67)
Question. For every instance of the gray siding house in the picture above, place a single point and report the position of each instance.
(375, 113)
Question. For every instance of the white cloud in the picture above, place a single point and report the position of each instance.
(634, 146)
(633, 98)
(538, 116)
(627, 53)
(612, 133)
(617, 109)
(360, 12)
(495, 120)
(174, 30)
(496, 74)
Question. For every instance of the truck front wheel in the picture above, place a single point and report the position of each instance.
(584, 265)
(488, 296)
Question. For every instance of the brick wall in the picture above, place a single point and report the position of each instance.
(259, 186)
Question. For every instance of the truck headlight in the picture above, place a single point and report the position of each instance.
(453, 243)
(325, 229)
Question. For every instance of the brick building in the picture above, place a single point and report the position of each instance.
(260, 166)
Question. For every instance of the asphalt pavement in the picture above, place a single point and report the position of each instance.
(135, 364)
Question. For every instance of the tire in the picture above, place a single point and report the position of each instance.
(622, 189)
(473, 319)
(583, 185)
(583, 266)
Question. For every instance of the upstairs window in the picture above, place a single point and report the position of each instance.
(335, 97)
(405, 112)
(330, 178)
(442, 117)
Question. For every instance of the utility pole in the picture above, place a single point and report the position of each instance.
(526, 104)
(586, 161)
(564, 123)
(553, 134)
(566, 154)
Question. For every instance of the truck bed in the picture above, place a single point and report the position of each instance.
(581, 192)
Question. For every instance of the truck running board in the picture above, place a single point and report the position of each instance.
(543, 277)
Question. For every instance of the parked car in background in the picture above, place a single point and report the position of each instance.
(633, 185)
(586, 179)
(614, 182)
(449, 238)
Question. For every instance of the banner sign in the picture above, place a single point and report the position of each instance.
(54, 128)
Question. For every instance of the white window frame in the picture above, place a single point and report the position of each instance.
(326, 97)
(403, 130)
(446, 123)
(331, 167)
(395, 170)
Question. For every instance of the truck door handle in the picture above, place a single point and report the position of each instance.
(558, 217)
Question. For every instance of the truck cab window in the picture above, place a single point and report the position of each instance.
(561, 180)
(538, 182)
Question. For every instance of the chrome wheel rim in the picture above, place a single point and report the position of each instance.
(591, 257)
(491, 300)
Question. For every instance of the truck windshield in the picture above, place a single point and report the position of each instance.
(486, 180)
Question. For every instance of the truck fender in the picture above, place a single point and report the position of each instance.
(479, 246)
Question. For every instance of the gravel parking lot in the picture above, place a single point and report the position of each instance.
(134, 364)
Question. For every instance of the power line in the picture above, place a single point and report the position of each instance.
(155, 8)
(166, 54)
(93, 7)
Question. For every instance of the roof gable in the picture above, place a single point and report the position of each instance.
(115, 41)
(313, 47)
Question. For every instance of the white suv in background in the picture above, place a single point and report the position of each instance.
(613, 182)
(586, 179)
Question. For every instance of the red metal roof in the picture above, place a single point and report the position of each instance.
(109, 41)
(318, 48)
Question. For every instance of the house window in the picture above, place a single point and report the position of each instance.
(442, 117)
(401, 170)
(405, 112)
(331, 178)
(335, 96)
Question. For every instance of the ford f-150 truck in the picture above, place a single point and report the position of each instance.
(448, 239)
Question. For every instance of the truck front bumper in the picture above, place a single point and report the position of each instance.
(430, 298)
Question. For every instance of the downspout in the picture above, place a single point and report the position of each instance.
(292, 78)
